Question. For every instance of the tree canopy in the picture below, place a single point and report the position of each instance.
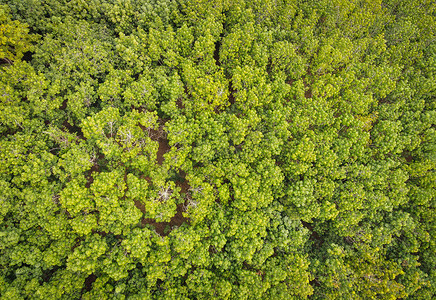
(229, 149)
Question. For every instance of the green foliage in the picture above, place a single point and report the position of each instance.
(156, 149)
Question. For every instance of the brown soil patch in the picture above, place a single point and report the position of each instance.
(177, 220)
(314, 236)
(140, 206)
(159, 135)
(308, 90)
(231, 93)
(163, 148)
(63, 105)
(160, 227)
(100, 233)
(184, 185)
(308, 93)
(89, 281)
(216, 53)
(179, 101)
(148, 178)
(408, 156)
(74, 129)
(290, 81)
(94, 168)
(90, 178)
(315, 282)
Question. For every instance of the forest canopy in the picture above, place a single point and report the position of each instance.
(228, 149)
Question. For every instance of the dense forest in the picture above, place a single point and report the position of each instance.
(229, 149)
